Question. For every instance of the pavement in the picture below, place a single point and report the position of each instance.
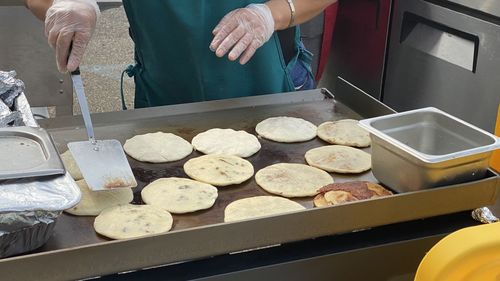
(109, 52)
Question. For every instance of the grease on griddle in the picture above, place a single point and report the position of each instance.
(186, 131)
(276, 155)
(147, 175)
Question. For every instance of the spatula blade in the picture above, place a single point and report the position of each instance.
(104, 165)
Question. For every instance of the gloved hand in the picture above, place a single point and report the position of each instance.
(69, 24)
(243, 31)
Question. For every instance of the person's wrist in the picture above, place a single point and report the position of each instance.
(266, 16)
(281, 13)
(38, 7)
(30, 4)
(92, 3)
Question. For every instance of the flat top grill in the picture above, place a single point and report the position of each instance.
(78, 248)
(75, 231)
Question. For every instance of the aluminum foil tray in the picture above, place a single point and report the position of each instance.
(34, 188)
(22, 232)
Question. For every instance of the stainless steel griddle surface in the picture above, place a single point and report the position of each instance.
(80, 253)
(74, 231)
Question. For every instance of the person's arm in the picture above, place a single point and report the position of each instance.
(69, 25)
(38, 7)
(304, 11)
(241, 32)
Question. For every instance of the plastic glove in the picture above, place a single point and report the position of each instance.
(243, 31)
(69, 24)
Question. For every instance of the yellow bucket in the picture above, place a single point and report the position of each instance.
(469, 254)
(495, 159)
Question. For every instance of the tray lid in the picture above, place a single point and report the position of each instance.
(27, 152)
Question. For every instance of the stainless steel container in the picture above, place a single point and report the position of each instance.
(426, 148)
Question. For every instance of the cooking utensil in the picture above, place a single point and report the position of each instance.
(102, 162)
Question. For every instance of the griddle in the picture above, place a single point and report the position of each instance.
(79, 252)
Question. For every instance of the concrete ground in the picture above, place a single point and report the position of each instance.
(109, 52)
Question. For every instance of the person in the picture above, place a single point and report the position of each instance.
(180, 45)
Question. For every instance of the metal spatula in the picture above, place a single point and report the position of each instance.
(102, 162)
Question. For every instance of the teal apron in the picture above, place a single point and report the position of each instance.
(175, 65)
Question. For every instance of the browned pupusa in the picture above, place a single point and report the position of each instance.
(338, 193)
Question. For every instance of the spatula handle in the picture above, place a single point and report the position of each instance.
(82, 101)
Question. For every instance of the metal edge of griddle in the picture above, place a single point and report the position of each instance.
(347, 93)
(117, 117)
(360, 101)
(201, 242)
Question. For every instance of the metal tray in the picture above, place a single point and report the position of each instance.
(27, 152)
(429, 147)
(80, 253)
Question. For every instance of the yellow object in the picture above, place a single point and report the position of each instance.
(471, 254)
(495, 159)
